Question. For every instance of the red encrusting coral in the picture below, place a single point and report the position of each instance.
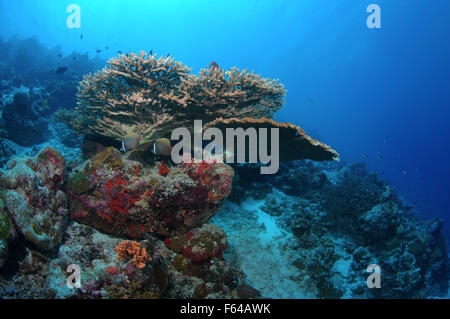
(137, 170)
(111, 270)
(163, 169)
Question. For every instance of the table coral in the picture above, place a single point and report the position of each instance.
(156, 95)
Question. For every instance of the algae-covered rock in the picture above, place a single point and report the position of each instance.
(199, 244)
(34, 199)
(78, 183)
(128, 199)
(109, 158)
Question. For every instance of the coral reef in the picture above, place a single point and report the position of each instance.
(330, 222)
(106, 276)
(31, 91)
(103, 275)
(120, 196)
(303, 224)
(27, 276)
(139, 226)
(22, 121)
(195, 266)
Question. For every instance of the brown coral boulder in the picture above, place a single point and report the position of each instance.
(129, 200)
(33, 197)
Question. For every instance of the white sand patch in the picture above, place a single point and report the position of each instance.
(261, 249)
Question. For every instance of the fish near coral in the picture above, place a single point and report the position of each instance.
(130, 142)
(162, 147)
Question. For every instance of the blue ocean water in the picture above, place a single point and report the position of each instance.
(378, 96)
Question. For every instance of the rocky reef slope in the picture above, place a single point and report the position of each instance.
(317, 227)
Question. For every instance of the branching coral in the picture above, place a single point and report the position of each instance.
(152, 96)
(132, 249)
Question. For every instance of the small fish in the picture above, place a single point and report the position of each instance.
(74, 58)
(61, 69)
(214, 66)
(379, 152)
(130, 142)
(60, 55)
(119, 52)
(310, 100)
(404, 172)
(151, 52)
(162, 147)
(380, 157)
(168, 55)
(98, 51)
(364, 155)
(107, 47)
(81, 36)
